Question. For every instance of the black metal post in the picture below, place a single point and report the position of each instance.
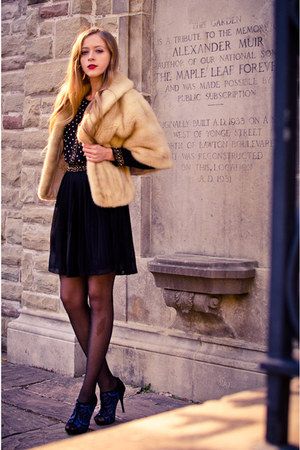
(283, 317)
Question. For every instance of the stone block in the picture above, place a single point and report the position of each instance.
(31, 111)
(41, 260)
(47, 104)
(27, 270)
(13, 83)
(109, 24)
(32, 21)
(10, 308)
(13, 63)
(46, 27)
(13, 230)
(103, 7)
(138, 6)
(5, 28)
(11, 254)
(82, 7)
(66, 31)
(11, 167)
(32, 157)
(120, 6)
(39, 49)
(34, 139)
(11, 197)
(44, 122)
(37, 214)
(19, 25)
(10, 273)
(11, 290)
(13, 103)
(10, 10)
(12, 122)
(3, 224)
(29, 181)
(43, 78)
(35, 236)
(47, 283)
(39, 301)
(56, 10)
(13, 44)
(23, 7)
(12, 139)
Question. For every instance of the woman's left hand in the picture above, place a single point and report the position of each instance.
(97, 153)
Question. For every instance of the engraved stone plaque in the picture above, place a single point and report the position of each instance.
(212, 75)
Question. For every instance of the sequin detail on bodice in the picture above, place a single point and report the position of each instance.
(73, 152)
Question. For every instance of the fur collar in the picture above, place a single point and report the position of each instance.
(118, 87)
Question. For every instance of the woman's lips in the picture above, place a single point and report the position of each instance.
(92, 66)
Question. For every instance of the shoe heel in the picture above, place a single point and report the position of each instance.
(122, 402)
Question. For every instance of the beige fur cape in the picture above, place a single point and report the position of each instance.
(128, 121)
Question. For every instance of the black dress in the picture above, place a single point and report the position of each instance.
(86, 239)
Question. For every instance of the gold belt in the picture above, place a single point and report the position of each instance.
(77, 168)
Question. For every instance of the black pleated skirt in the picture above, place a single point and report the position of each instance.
(86, 239)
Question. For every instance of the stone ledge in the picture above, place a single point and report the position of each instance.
(203, 274)
(44, 339)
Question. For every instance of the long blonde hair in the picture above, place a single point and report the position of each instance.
(74, 87)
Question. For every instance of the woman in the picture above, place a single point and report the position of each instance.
(101, 131)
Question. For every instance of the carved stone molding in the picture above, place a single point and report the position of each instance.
(203, 274)
(195, 286)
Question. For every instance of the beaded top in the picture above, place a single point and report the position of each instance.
(73, 152)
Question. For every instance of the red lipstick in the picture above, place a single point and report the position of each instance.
(92, 66)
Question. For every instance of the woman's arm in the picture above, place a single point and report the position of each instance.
(123, 157)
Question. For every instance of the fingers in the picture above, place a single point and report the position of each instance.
(94, 152)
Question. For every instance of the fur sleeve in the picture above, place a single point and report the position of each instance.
(147, 141)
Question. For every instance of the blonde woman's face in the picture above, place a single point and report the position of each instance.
(95, 56)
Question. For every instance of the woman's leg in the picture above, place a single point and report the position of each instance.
(100, 292)
(74, 292)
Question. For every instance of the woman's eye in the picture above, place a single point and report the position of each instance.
(85, 52)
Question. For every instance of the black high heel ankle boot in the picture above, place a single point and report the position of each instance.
(79, 421)
(109, 401)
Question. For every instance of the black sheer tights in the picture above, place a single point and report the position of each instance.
(92, 324)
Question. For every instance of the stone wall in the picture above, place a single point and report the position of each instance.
(37, 38)
(198, 344)
(13, 67)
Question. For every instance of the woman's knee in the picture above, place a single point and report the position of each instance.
(100, 291)
(73, 302)
(99, 301)
(73, 293)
